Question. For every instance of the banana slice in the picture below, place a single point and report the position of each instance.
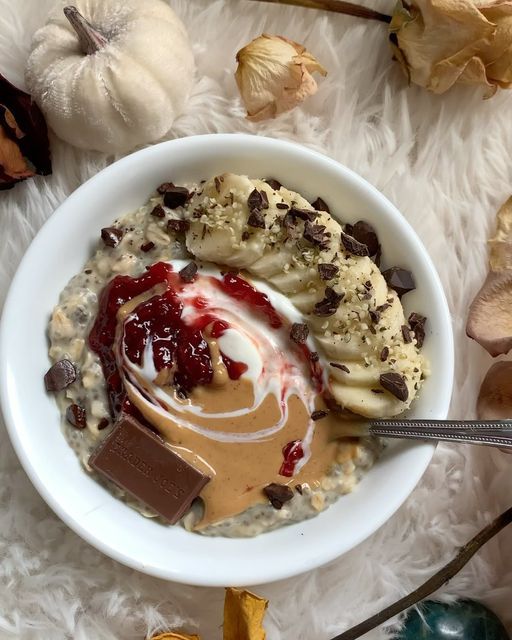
(355, 319)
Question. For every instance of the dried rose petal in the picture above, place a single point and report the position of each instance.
(495, 397)
(24, 147)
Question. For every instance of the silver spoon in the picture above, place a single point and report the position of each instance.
(493, 433)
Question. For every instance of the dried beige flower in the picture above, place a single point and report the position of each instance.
(274, 76)
(495, 396)
(490, 320)
(443, 42)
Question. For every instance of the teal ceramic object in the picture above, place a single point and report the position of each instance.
(464, 620)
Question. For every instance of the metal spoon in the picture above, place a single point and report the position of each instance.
(493, 433)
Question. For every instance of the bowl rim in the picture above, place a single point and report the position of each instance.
(322, 556)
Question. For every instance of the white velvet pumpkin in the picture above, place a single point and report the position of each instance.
(130, 86)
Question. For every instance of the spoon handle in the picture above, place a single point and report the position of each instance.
(493, 433)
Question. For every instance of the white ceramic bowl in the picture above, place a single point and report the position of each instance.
(60, 250)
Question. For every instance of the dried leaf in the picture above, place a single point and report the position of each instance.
(440, 43)
(172, 635)
(243, 615)
(274, 76)
(495, 397)
(24, 148)
(490, 320)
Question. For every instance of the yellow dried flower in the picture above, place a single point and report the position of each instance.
(440, 43)
(274, 76)
(172, 635)
(243, 615)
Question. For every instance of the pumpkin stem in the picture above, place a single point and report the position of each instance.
(338, 6)
(91, 40)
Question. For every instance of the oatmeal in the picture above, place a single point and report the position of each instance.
(242, 324)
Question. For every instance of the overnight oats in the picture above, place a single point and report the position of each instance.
(210, 355)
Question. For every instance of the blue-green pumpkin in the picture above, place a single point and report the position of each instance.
(463, 620)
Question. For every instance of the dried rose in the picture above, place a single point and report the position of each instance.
(490, 319)
(243, 615)
(24, 149)
(274, 76)
(441, 42)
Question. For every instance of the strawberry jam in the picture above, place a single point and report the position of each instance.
(292, 453)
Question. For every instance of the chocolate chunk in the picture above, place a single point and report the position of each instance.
(246, 235)
(75, 415)
(217, 184)
(400, 280)
(299, 332)
(353, 246)
(406, 334)
(336, 365)
(365, 234)
(164, 187)
(257, 201)
(377, 391)
(327, 271)
(60, 376)
(111, 236)
(315, 233)
(278, 494)
(417, 324)
(314, 357)
(329, 305)
(374, 316)
(282, 205)
(178, 226)
(384, 354)
(256, 219)
(395, 384)
(175, 197)
(188, 273)
(303, 214)
(158, 211)
(298, 489)
(383, 307)
(103, 424)
(140, 462)
(147, 246)
(273, 183)
(320, 205)
(318, 415)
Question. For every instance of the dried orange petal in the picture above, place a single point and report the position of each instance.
(243, 615)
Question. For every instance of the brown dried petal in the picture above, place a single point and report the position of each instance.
(299, 332)
(354, 247)
(395, 384)
(278, 494)
(495, 397)
(60, 375)
(327, 271)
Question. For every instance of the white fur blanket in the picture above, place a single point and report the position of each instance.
(445, 162)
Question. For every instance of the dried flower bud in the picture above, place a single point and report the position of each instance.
(440, 43)
(274, 76)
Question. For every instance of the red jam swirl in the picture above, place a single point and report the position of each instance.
(292, 453)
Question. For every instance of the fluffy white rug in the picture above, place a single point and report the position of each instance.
(445, 161)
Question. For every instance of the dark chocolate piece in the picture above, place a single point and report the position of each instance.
(320, 205)
(60, 375)
(282, 205)
(318, 415)
(139, 462)
(273, 183)
(383, 307)
(395, 384)
(257, 201)
(313, 356)
(147, 246)
(377, 391)
(417, 324)
(278, 494)
(103, 424)
(364, 233)
(342, 367)
(246, 235)
(299, 332)
(158, 211)
(217, 184)
(316, 234)
(327, 271)
(75, 415)
(354, 247)
(406, 334)
(178, 226)
(374, 316)
(164, 187)
(298, 489)
(303, 214)
(188, 273)
(256, 219)
(400, 280)
(175, 197)
(384, 354)
(329, 305)
(111, 236)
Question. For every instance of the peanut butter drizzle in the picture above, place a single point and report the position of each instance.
(239, 470)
